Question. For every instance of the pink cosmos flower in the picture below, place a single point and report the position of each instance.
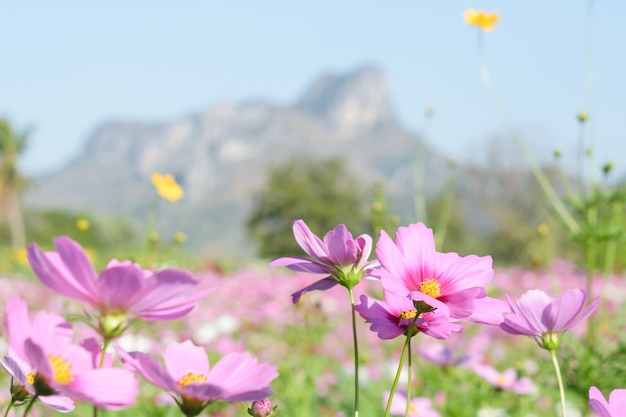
(412, 267)
(22, 387)
(121, 291)
(544, 318)
(393, 317)
(506, 380)
(615, 407)
(186, 375)
(418, 407)
(57, 366)
(340, 257)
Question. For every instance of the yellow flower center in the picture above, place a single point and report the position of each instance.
(30, 378)
(430, 287)
(501, 381)
(61, 369)
(191, 377)
(407, 314)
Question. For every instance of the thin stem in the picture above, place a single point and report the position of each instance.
(394, 386)
(105, 345)
(557, 369)
(356, 355)
(421, 213)
(408, 384)
(29, 406)
(6, 413)
(611, 248)
(541, 178)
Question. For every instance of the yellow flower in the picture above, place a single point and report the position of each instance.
(180, 237)
(20, 256)
(484, 20)
(582, 116)
(83, 224)
(167, 187)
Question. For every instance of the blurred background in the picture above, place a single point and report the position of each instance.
(363, 113)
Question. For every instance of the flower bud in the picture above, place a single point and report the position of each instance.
(261, 408)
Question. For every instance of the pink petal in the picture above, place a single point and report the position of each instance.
(151, 370)
(417, 244)
(563, 309)
(309, 242)
(182, 358)
(119, 286)
(341, 246)
(52, 271)
(598, 404)
(59, 403)
(321, 285)
(242, 377)
(108, 388)
(301, 264)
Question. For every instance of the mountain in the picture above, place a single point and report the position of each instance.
(219, 155)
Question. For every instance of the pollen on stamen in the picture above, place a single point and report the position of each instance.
(30, 378)
(430, 287)
(191, 377)
(407, 314)
(62, 370)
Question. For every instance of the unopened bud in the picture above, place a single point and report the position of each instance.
(582, 116)
(606, 168)
(542, 229)
(261, 408)
(557, 153)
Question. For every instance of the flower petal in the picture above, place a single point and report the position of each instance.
(321, 285)
(182, 358)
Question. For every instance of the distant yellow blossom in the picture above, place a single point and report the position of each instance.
(582, 116)
(20, 256)
(180, 237)
(167, 187)
(83, 224)
(153, 237)
(484, 20)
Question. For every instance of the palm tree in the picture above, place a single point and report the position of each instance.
(12, 144)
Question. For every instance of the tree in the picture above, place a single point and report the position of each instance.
(12, 144)
(321, 192)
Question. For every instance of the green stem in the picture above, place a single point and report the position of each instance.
(29, 406)
(6, 413)
(356, 355)
(541, 178)
(394, 386)
(105, 345)
(611, 248)
(421, 213)
(557, 369)
(408, 384)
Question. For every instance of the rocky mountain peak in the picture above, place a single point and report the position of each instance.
(350, 103)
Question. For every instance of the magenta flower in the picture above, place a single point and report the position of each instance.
(340, 257)
(412, 267)
(58, 367)
(393, 317)
(615, 407)
(418, 407)
(121, 291)
(506, 380)
(544, 318)
(186, 376)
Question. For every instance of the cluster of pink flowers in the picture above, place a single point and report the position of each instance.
(47, 365)
(426, 291)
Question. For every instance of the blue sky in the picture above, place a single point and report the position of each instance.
(68, 66)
